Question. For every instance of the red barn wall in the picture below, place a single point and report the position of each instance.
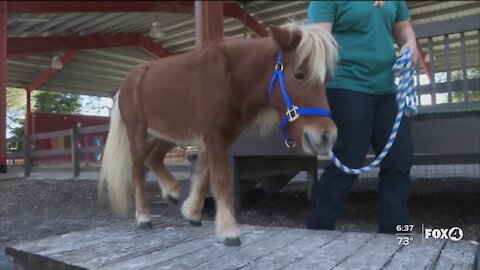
(48, 122)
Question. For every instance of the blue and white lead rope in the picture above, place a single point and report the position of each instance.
(407, 103)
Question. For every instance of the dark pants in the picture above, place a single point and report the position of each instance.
(365, 120)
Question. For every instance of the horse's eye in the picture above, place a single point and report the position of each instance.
(299, 76)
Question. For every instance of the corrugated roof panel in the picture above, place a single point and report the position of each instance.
(101, 71)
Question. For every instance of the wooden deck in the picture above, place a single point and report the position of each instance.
(174, 244)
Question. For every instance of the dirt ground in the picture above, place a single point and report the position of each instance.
(32, 209)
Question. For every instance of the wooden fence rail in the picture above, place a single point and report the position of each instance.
(28, 153)
(76, 150)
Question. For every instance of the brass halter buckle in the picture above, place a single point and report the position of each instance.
(292, 114)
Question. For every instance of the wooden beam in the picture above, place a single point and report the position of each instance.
(22, 47)
(234, 10)
(20, 55)
(38, 45)
(43, 77)
(100, 6)
(153, 48)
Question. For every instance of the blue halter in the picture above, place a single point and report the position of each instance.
(293, 112)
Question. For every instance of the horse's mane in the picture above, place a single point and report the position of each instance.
(319, 48)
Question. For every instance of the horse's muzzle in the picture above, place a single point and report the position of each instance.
(318, 142)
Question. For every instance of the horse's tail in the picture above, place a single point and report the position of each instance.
(117, 165)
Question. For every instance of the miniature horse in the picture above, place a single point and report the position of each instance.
(206, 98)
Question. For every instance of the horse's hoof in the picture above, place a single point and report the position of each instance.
(172, 199)
(145, 225)
(232, 242)
(195, 223)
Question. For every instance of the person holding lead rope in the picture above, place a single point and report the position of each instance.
(366, 108)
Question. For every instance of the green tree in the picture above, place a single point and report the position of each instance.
(473, 94)
(16, 109)
(41, 102)
(15, 106)
(91, 103)
(18, 131)
(57, 102)
(16, 99)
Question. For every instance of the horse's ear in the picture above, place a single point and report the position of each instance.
(287, 38)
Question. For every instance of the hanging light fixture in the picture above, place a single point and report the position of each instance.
(157, 29)
(56, 62)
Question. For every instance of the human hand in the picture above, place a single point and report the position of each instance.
(412, 45)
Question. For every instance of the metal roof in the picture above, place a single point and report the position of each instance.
(100, 72)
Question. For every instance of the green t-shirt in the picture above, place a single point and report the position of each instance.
(364, 33)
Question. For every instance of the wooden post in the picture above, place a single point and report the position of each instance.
(208, 21)
(28, 116)
(75, 148)
(3, 86)
(27, 169)
(312, 174)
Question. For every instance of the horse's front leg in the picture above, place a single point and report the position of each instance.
(227, 230)
(192, 207)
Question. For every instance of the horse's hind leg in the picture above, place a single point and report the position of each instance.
(138, 141)
(227, 229)
(168, 184)
(192, 207)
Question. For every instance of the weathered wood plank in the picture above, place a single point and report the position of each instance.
(189, 253)
(104, 245)
(130, 231)
(373, 255)
(329, 255)
(49, 153)
(174, 244)
(105, 237)
(25, 255)
(55, 169)
(417, 255)
(458, 255)
(130, 248)
(91, 149)
(82, 236)
(54, 241)
(58, 261)
(39, 251)
(295, 251)
(215, 250)
(249, 254)
(49, 135)
(93, 129)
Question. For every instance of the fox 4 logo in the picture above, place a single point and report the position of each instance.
(454, 233)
